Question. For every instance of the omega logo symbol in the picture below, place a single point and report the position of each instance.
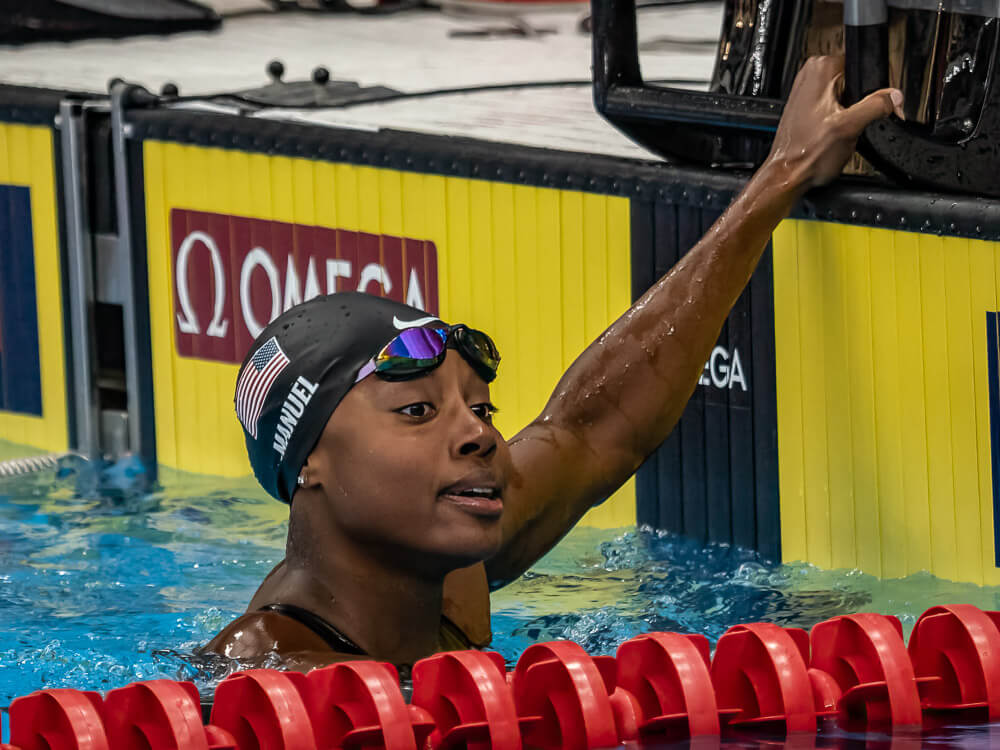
(186, 318)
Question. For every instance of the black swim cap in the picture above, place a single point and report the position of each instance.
(299, 369)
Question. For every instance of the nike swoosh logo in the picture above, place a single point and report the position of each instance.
(402, 325)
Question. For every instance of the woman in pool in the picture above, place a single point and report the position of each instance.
(374, 422)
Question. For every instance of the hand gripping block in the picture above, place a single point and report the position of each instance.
(359, 704)
(58, 719)
(956, 649)
(865, 656)
(761, 678)
(570, 692)
(160, 715)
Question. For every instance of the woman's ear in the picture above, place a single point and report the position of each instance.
(308, 477)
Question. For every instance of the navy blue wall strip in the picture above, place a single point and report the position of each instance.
(718, 478)
(763, 391)
(641, 232)
(992, 347)
(669, 474)
(20, 373)
(692, 426)
(715, 478)
(735, 365)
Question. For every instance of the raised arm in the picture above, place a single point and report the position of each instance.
(624, 394)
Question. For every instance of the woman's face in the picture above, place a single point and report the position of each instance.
(414, 470)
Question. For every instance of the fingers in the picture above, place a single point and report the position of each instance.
(875, 106)
(830, 65)
(838, 86)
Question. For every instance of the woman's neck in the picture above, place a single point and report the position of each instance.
(391, 612)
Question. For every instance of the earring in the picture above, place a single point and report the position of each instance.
(301, 480)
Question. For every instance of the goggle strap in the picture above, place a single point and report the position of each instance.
(365, 371)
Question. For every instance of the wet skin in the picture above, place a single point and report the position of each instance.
(382, 541)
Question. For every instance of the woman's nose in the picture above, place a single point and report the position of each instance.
(475, 436)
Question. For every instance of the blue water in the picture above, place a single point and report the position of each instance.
(101, 585)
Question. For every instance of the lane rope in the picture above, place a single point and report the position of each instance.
(29, 465)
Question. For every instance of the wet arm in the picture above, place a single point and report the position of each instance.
(626, 391)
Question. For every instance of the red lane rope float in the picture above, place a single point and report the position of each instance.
(959, 645)
(667, 675)
(760, 677)
(58, 719)
(866, 656)
(358, 704)
(160, 715)
(563, 686)
(558, 697)
(466, 695)
(263, 708)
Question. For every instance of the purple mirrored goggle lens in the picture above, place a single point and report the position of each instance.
(413, 343)
(417, 350)
(411, 352)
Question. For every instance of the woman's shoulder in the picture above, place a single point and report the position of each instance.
(252, 637)
(465, 602)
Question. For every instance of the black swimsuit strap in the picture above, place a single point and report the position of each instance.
(333, 637)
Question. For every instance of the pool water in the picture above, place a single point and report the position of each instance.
(102, 585)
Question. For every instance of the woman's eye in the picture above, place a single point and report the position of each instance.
(485, 411)
(417, 411)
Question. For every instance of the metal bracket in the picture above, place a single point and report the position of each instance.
(133, 283)
(80, 277)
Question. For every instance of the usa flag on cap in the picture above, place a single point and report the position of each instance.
(256, 381)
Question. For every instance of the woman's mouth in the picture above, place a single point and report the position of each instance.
(478, 499)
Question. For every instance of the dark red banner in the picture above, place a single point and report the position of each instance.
(233, 275)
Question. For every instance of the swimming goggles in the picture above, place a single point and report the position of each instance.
(417, 351)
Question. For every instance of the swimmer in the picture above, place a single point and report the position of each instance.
(374, 422)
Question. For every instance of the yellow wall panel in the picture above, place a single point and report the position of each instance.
(27, 160)
(940, 461)
(883, 400)
(912, 404)
(812, 279)
(543, 270)
(887, 412)
(789, 390)
(857, 305)
(831, 280)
